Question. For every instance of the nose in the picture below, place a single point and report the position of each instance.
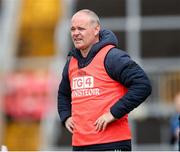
(76, 32)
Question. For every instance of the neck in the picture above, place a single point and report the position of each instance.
(85, 52)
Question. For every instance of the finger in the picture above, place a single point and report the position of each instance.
(97, 126)
(100, 126)
(104, 126)
(72, 124)
(96, 122)
(70, 129)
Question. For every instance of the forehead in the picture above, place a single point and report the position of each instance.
(80, 19)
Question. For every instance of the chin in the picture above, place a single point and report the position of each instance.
(79, 47)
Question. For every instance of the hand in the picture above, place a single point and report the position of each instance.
(69, 124)
(177, 133)
(102, 122)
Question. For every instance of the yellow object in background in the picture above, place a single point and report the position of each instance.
(22, 135)
(170, 86)
(37, 25)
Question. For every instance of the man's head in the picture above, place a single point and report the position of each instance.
(85, 27)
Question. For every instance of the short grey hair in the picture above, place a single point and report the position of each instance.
(93, 15)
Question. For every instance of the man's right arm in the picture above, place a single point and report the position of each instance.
(64, 96)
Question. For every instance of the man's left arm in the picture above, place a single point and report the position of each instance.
(132, 76)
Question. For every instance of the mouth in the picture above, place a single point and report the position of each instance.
(77, 40)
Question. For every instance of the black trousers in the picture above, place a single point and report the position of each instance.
(114, 146)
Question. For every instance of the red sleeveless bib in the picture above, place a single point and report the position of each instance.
(93, 94)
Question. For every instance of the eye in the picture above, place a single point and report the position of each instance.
(81, 29)
(72, 29)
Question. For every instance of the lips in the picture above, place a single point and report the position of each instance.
(77, 40)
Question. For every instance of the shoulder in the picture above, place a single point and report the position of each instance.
(66, 66)
(117, 52)
(115, 62)
(116, 56)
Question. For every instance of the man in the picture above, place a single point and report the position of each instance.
(100, 85)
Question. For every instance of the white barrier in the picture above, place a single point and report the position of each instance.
(4, 148)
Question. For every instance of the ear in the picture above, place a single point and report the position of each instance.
(97, 29)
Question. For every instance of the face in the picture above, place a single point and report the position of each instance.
(83, 31)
